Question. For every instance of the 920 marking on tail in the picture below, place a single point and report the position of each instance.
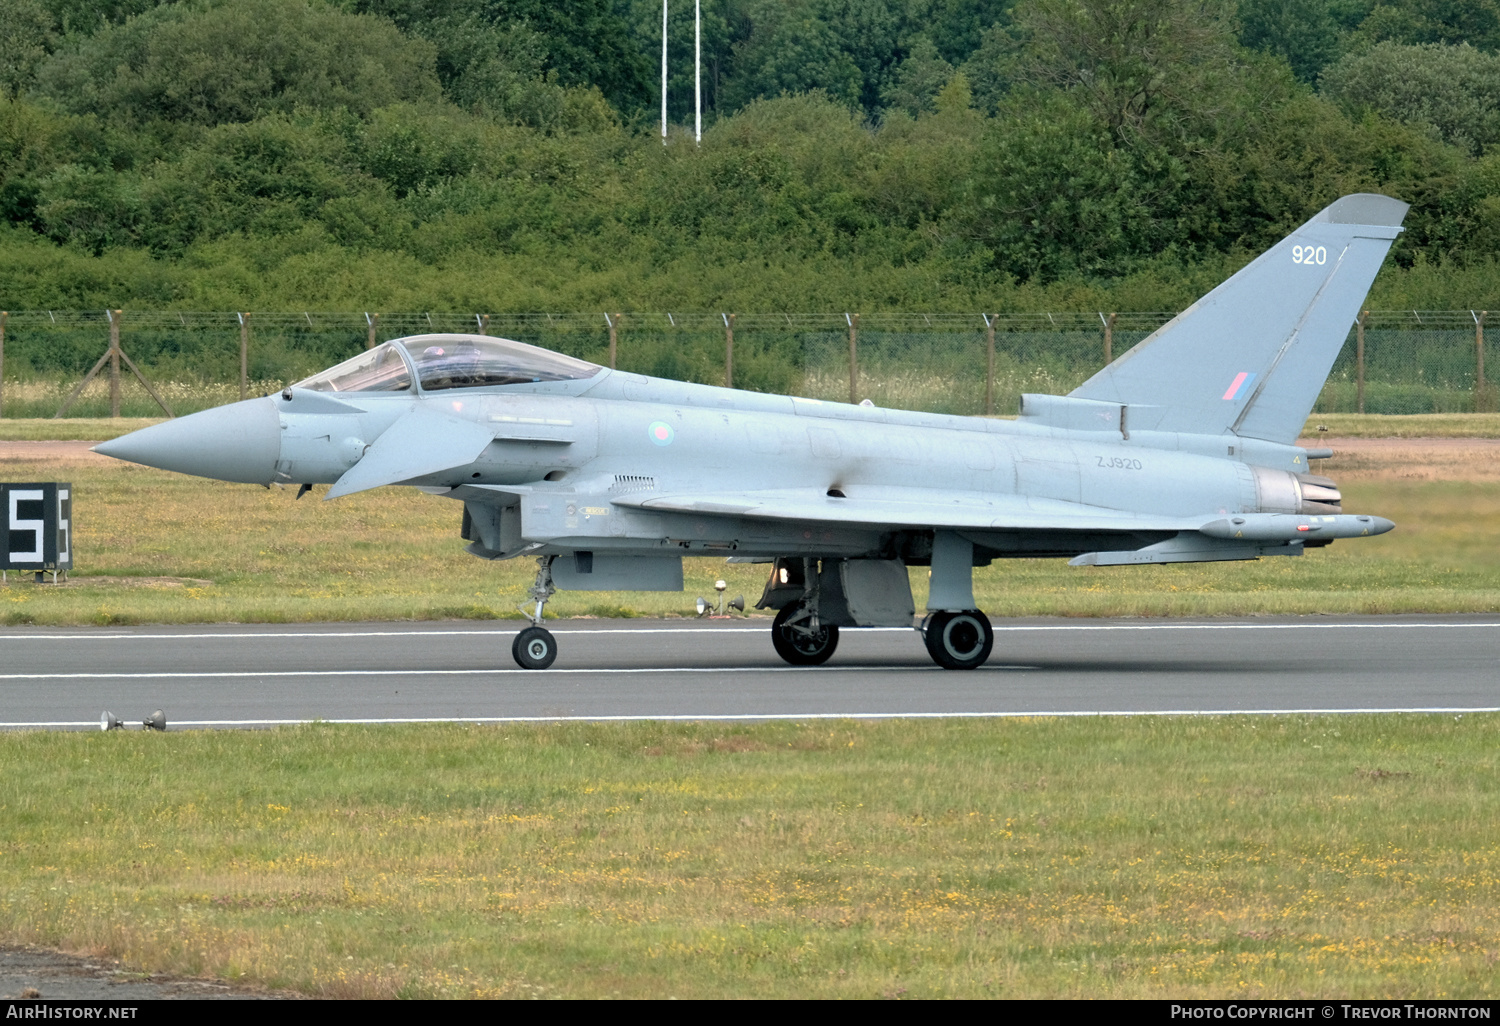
(1309, 255)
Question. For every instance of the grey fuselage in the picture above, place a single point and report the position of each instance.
(572, 461)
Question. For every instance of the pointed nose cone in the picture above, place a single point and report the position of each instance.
(238, 442)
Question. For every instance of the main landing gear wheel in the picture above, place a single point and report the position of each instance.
(534, 648)
(959, 641)
(798, 642)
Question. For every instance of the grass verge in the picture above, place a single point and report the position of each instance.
(1420, 425)
(71, 429)
(1238, 856)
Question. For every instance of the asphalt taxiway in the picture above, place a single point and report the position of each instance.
(255, 675)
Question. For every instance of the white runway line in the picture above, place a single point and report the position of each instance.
(506, 671)
(724, 717)
(494, 633)
(84, 634)
(1235, 626)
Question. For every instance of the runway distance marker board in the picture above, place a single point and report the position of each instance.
(38, 526)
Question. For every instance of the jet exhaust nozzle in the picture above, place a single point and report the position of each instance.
(1278, 491)
(1319, 494)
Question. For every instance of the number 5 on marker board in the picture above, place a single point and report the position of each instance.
(38, 526)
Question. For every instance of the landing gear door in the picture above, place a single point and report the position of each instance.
(877, 592)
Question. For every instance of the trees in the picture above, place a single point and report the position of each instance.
(917, 80)
(213, 63)
(25, 39)
(582, 43)
(1301, 32)
(858, 147)
(1055, 196)
(1453, 89)
(790, 49)
(1450, 22)
(1136, 65)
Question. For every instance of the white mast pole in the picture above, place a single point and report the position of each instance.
(697, 71)
(663, 72)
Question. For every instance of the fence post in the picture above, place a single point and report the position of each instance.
(114, 361)
(613, 323)
(1109, 338)
(483, 320)
(728, 350)
(4, 316)
(244, 356)
(853, 323)
(989, 367)
(1481, 393)
(1359, 361)
(372, 321)
(113, 355)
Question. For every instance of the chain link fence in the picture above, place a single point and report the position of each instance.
(1392, 362)
(1411, 361)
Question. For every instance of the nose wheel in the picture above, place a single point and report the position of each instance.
(958, 641)
(534, 648)
(798, 641)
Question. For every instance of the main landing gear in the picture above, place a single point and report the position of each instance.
(955, 640)
(535, 648)
(816, 601)
(958, 640)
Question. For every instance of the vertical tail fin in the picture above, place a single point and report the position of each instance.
(1252, 355)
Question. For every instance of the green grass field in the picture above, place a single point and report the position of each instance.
(69, 429)
(1424, 425)
(1283, 856)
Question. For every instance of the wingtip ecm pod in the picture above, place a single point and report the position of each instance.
(1251, 357)
(1364, 208)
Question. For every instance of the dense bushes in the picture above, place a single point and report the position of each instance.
(494, 154)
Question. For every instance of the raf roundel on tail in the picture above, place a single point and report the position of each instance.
(1182, 450)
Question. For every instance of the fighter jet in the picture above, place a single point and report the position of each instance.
(1182, 450)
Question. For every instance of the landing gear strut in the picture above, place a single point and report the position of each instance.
(535, 648)
(958, 641)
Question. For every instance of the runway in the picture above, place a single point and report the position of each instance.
(258, 675)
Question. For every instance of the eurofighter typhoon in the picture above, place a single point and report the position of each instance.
(1182, 450)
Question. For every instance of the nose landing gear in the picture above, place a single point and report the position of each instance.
(800, 639)
(535, 648)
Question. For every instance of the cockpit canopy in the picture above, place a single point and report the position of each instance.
(448, 361)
